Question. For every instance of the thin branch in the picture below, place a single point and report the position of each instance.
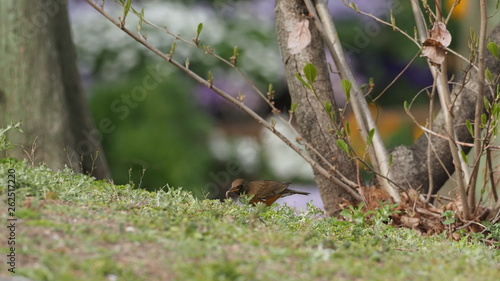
(210, 52)
(430, 146)
(478, 145)
(239, 104)
(455, 3)
(490, 125)
(394, 27)
(491, 175)
(448, 50)
(397, 77)
(274, 110)
(419, 16)
(378, 153)
(444, 97)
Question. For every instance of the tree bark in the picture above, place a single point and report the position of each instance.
(40, 85)
(410, 162)
(312, 118)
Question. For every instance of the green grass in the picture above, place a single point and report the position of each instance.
(71, 227)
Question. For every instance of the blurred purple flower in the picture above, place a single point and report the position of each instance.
(214, 103)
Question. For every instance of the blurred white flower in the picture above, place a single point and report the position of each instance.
(284, 162)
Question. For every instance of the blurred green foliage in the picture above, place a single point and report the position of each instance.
(166, 133)
(163, 133)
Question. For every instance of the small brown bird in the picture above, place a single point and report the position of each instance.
(266, 191)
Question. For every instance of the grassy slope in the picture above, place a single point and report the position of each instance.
(88, 230)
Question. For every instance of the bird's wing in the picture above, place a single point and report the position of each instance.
(267, 189)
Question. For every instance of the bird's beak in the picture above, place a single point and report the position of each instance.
(231, 190)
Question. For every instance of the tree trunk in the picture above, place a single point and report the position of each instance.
(410, 162)
(40, 85)
(313, 121)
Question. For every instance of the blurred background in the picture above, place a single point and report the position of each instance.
(168, 130)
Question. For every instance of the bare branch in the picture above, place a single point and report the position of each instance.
(139, 38)
(478, 143)
(440, 79)
(378, 152)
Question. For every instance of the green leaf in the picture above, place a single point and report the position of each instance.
(484, 119)
(406, 106)
(489, 77)
(472, 35)
(196, 40)
(199, 29)
(346, 87)
(354, 7)
(310, 72)
(126, 9)
(172, 50)
(493, 48)
(393, 20)
(496, 110)
(483, 190)
(333, 117)
(343, 145)
(449, 221)
(293, 107)
(331, 113)
(448, 214)
(303, 81)
(328, 107)
(346, 213)
(341, 133)
(468, 124)
(370, 137)
(4, 142)
(210, 78)
(348, 128)
(234, 57)
(464, 157)
(390, 159)
(141, 18)
(487, 105)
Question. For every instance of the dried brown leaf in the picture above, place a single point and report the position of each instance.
(434, 46)
(410, 222)
(440, 34)
(299, 37)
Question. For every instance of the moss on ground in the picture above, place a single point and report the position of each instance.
(71, 227)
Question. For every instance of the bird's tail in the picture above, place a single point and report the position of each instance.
(291, 191)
